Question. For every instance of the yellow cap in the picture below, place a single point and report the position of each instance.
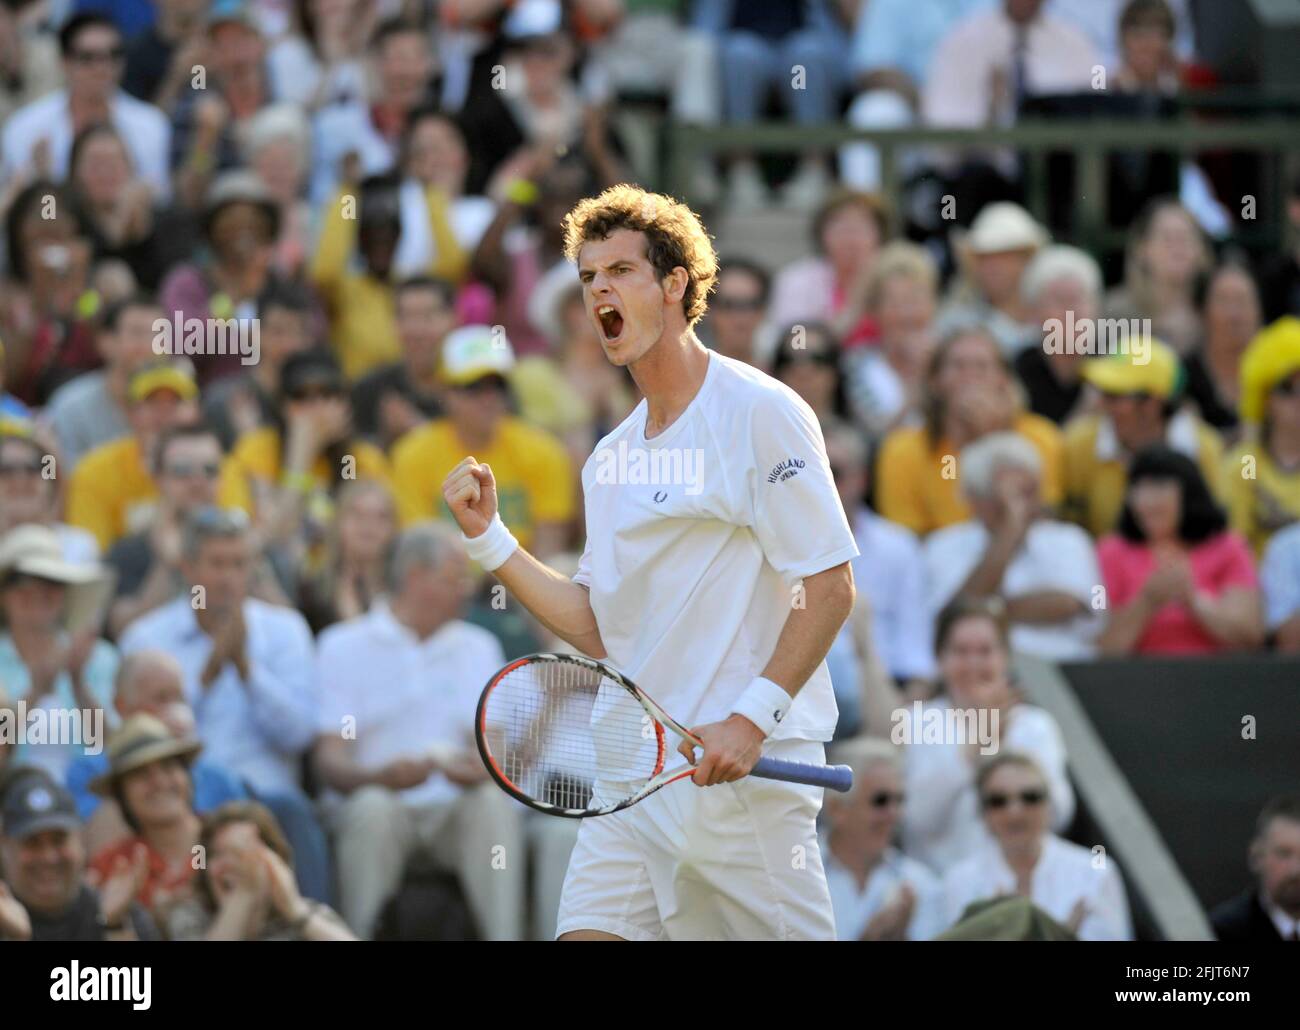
(1272, 357)
(1160, 375)
(152, 378)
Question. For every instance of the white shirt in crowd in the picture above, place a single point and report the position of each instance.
(1054, 556)
(854, 908)
(942, 823)
(693, 573)
(144, 129)
(403, 695)
(1065, 874)
(255, 729)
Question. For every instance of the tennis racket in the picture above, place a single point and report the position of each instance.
(569, 736)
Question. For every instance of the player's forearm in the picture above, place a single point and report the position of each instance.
(558, 603)
(811, 627)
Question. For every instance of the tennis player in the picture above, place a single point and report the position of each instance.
(716, 575)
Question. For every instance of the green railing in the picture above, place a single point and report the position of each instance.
(1090, 142)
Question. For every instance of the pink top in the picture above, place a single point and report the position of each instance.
(1218, 564)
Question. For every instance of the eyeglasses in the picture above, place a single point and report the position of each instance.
(111, 56)
(885, 798)
(12, 469)
(1028, 798)
(185, 470)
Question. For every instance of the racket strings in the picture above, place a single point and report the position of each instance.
(565, 735)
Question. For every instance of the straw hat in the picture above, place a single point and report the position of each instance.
(34, 550)
(141, 740)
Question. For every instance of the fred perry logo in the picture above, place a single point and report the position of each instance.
(777, 715)
(661, 496)
(784, 470)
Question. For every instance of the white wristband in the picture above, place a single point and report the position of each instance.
(763, 703)
(493, 546)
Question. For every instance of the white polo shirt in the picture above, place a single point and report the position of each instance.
(405, 694)
(697, 541)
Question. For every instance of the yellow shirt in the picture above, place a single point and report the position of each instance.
(1259, 507)
(1096, 475)
(533, 474)
(918, 487)
(111, 492)
(257, 456)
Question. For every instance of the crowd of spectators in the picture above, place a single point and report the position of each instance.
(240, 559)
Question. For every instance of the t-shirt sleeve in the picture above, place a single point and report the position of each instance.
(1235, 568)
(1110, 559)
(795, 508)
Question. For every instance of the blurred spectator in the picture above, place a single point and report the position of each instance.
(44, 859)
(51, 655)
(277, 145)
(435, 169)
(29, 495)
(296, 465)
(1279, 575)
(1280, 274)
(47, 301)
(247, 400)
(848, 232)
(886, 382)
(758, 45)
(29, 56)
(1261, 477)
(888, 570)
(247, 664)
(535, 484)
(246, 889)
(186, 467)
(1062, 292)
(994, 256)
(403, 757)
(1230, 313)
(91, 409)
(969, 392)
(361, 136)
(1081, 890)
(941, 824)
(37, 138)
(162, 58)
(807, 360)
(1044, 571)
(737, 311)
(241, 223)
(348, 578)
(894, 42)
(1177, 580)
(985, 67)
(117, 206)
(1166, 253)
(395, 398)
(1140, 393)
(1269, 911)
(323, 61)
(112, 492)
(149, 778)
(878, 893)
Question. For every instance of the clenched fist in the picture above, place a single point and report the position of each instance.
(471, 495)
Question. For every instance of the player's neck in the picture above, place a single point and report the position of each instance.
(669, 376)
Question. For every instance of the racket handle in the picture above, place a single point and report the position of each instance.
(832, 777)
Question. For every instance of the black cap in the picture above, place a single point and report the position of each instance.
(33, 802)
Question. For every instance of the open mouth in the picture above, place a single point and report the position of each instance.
(611, 322)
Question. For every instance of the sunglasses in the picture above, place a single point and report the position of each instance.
(19, 468)
(885, 798)
(112, 56)
(1028, 798)
(316, 393)
(488, 384)
(185, 470)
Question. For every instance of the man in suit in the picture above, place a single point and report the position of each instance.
(1269, 911)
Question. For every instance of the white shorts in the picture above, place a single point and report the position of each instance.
(737, 861)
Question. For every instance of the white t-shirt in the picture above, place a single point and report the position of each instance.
(405, 694)
(697, 540)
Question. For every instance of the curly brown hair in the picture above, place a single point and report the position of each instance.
(675, 237)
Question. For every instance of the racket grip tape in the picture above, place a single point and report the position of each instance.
(832, 777)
